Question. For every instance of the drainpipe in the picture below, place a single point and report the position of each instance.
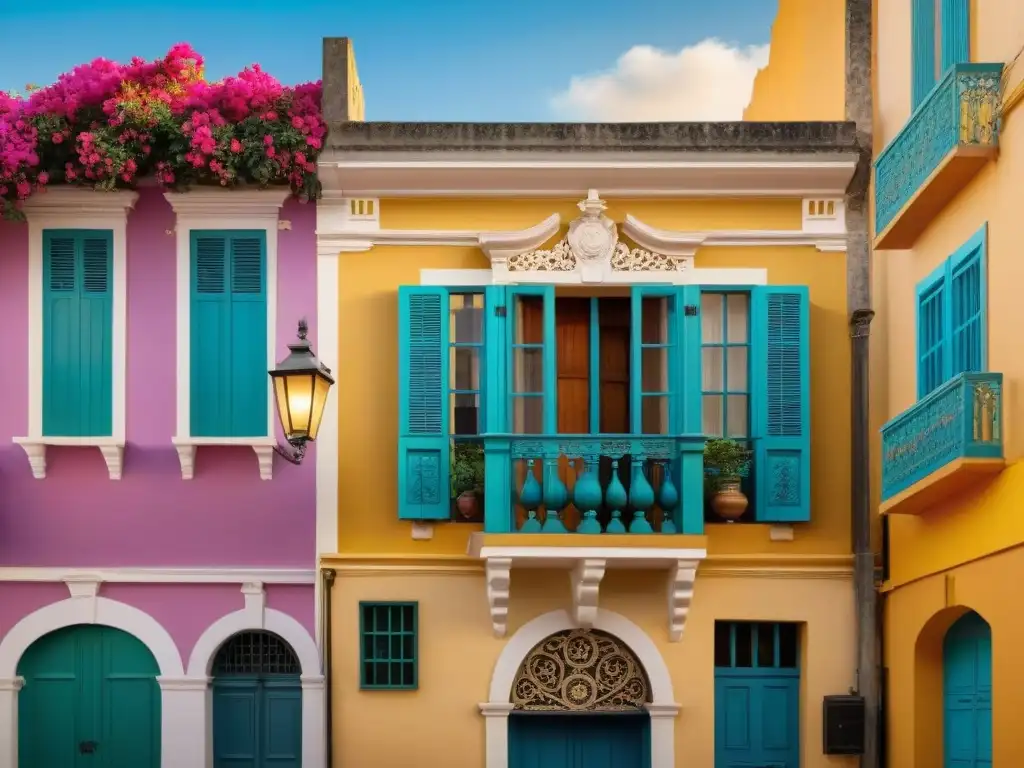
(328, 576)
(859, 110)
(868, 667)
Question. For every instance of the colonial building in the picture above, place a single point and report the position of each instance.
(947, 231)
(548, 333)
(156, 558)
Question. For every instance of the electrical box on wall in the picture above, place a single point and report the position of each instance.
(843, 725)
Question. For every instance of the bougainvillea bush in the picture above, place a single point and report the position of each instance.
(108, 125)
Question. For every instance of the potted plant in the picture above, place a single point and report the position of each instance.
(724, 463)
(467, 478)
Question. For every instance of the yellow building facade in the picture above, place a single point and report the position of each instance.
(947, 227)
(536, 327)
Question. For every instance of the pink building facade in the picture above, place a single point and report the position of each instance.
(139, 486)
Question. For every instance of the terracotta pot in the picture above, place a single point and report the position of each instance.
(729, 502)
(466, 504)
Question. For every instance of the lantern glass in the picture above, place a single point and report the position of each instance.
(301, 397)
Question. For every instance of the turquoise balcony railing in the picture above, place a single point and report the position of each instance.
(593, 484)
(962, 419)
(947, 139)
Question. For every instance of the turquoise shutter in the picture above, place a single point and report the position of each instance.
(228, 368)
(248, 406)
(77, 333)
(922, 50)
(210, 365)
(933, 363)
(780, 402)
(956, 33)
(424, 461)
(967, 298)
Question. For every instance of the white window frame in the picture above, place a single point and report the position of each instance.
(222, 209)
(77, 208)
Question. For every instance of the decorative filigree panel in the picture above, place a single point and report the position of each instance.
(961, 110)
(626, 259)
(559, 258)
(580, 670)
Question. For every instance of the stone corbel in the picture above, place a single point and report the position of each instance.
(501, 246)
(679, 245)
(680, 593)
(499, 581)
(585, 580)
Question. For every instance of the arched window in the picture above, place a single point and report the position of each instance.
(255, 653)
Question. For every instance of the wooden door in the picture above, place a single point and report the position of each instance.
(579, 741)
(967, 693)
(757, 720)
(90, 700)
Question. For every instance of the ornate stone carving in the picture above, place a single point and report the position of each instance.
(592, 247)
(580, 670)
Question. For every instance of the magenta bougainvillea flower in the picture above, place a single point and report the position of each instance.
(107, 125)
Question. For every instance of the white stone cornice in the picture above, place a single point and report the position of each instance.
(500, 246)
(78, 204)
(462, 173)
(203, 202)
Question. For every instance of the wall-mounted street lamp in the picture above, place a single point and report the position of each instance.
(301, 384)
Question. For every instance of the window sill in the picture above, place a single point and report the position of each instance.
(111, 448)
(263, 447)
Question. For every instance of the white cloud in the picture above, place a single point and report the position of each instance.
(708, 81)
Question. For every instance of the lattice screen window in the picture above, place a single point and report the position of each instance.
(388, 647)
(255, 653)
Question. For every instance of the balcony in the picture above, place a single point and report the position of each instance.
(588, 503)
(947, 442)
(946, 141)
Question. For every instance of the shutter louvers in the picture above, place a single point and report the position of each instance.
(781, 403)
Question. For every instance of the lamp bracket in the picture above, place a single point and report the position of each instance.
(295, 455)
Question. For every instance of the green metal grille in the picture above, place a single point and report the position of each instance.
(388, 646)
(255, 653)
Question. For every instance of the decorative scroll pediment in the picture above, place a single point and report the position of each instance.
(591, 251)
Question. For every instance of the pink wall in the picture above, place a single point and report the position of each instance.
(184, 610)
(226, 515)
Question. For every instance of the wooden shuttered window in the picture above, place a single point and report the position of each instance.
(228, 367)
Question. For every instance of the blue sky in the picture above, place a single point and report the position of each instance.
(418, 59)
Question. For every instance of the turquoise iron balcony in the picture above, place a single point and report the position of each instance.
(946, 141)
(948, 441)
(594, 484)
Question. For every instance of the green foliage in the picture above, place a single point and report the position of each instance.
(724, 461)
(467, 468)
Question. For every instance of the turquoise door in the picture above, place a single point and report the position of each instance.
(257, 704)
(757, 720)
(90, 700)
(579, 741)
(757, 695)
(967, 693)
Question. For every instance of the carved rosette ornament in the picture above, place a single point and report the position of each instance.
(592, 247)
(580, 670)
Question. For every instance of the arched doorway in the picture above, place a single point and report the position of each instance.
(90, 698)
(967, 693)
(579, 702)
(257, 703)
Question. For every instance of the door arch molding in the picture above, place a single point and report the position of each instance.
(662, 708)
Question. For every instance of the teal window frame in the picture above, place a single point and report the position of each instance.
(940, 39)
(725, 345)
(775, 630)
(951, 316)
(481, 349)
(389, 635)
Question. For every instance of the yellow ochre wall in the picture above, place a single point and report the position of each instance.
(986, 521)
(440, 724)
(368, 331)
(962, 554)
(805, 78)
